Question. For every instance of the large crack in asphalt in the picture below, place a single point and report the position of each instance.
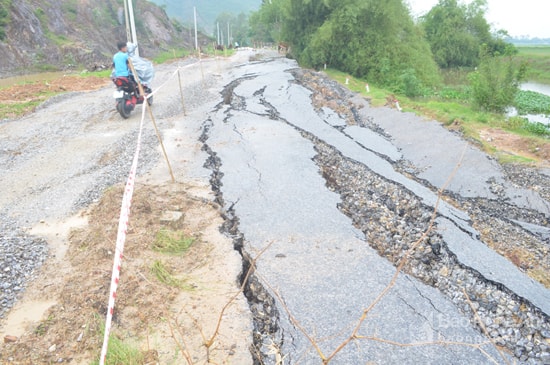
(392, 219)
(266, 331)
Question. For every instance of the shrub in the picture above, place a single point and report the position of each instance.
(410, 84)
(495, 84)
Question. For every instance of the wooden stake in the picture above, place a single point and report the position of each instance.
(142, 92)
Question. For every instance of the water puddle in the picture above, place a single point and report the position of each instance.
(25, 315)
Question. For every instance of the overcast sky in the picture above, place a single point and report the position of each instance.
(518, 17)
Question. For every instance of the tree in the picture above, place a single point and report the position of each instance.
(496, 82)
(266, 23)
(241, 30)
(456, 32)
(372, 39)
(366, 38)
(302, 18)
(232, 29)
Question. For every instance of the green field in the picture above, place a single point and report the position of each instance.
(538, 59)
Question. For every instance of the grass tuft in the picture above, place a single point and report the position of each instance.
(172, 242)
(165, 276)
(119, 352)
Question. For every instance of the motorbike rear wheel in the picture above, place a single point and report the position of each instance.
(122, 109)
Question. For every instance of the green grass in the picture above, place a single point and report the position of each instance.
(171, 55)
(104, 74)
(450, 105)
(120, 352)
(172, 242)
(175, 54)
(165, 276)
(42, 328)
(376, 95)
(211, 51)
(506, 158)
(538, 59)
(15, 110)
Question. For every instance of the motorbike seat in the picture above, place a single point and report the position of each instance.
(125, 83)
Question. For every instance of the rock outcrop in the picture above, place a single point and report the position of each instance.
(63, 34)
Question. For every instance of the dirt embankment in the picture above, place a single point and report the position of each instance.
(170, 301)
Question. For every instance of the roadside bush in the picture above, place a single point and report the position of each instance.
(495, 84)
(410, 84)
(516, 122)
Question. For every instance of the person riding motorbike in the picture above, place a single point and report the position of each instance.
(129, 93)
(120, 62)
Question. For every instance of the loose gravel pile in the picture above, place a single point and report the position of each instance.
(20, 255)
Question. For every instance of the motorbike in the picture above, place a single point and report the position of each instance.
(127, 95)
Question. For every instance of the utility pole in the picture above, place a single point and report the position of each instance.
(218, 25)
(127, 21)
(132, 25)
(196, 39)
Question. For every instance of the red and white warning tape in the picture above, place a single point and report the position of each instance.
(123, 228)
(121, 239)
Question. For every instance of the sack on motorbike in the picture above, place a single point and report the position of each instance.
(144, 68)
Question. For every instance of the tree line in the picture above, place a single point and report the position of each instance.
(381, 42)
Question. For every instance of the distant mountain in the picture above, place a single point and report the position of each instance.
(527, 41)
(207, 10)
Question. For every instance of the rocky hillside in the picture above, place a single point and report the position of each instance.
(44, 35)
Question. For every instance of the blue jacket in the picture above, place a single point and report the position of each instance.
(120, 60)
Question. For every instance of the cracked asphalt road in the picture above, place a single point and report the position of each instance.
(327, 203)
(315, 263)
